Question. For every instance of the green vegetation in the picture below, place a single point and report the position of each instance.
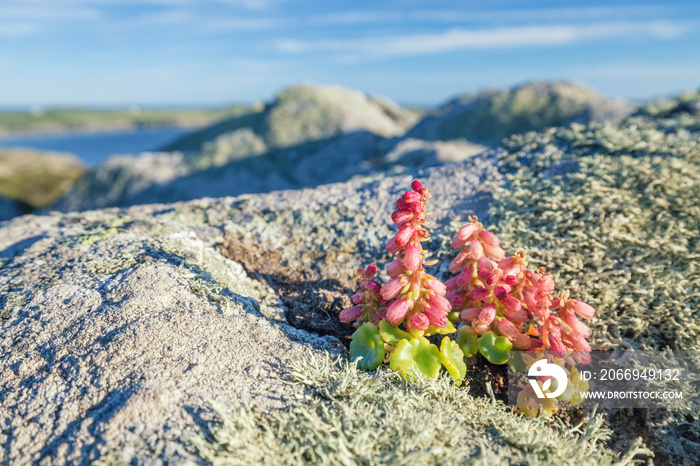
(72, 119)
(354, 417)
(37, 178)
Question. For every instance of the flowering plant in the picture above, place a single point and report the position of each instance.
(502, 306)
(412, 299)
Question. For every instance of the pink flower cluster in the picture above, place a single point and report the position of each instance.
(412, 296)
(369, 306)
(497, 293)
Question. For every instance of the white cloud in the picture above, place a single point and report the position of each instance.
(17, 30)
(247, 4)
(498, 37)
(47, 12)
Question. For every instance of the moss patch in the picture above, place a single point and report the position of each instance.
(355, 417)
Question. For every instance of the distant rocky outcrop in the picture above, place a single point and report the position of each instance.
(37, 178)
(298, 115)
(310, 136)
(488, 116)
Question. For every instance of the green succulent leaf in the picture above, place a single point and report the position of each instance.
(368, 345)
(392, 334)
(452, 357)
(415, 356)
(449, 328)
(495, 349)
(467, 339)
(453, 316)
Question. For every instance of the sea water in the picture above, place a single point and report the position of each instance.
(95, 147)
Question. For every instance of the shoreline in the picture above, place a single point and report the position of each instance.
(51, 130)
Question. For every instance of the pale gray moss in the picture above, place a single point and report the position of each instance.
(354, 417)
(612, 211)
(621, 234)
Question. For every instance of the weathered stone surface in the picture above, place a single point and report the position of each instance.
(411, 152)
(114, 341)
(120, 327)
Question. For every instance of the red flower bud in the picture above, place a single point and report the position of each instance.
(500, 293)
(477, 294)
(395, 268)
(404, 235)
(522, 342)
(580, 344)
(436, 286)
(506, 263)
(371, 270)
(465, 233)
(476, 250)
(468, 315)
(519, 316)
(412, 258)
(584, 310)
(487, 314)
(411, 197)
(457, 263)
(420, 321)
(530, 300)
(458, 300)
(489, 238)
(458, 243)
(358, 298)
(507, 328)
(486, 263)
(400, 216)
(494, 252)
(391, 246)
(350, 314)
(417, 187)
(374, 286)
(439, 303)
(510, 280)
(465, 277)
(401, 205)
(435, 316)
(392, 288)
(511, 303)
(397, 311)
(483, 273)
(451, 283)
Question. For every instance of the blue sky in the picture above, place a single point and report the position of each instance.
(213, 52)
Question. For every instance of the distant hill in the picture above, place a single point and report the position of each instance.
(298, 115)
(308, 135)
(489, 116)
(312, 135)
(61, 120)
